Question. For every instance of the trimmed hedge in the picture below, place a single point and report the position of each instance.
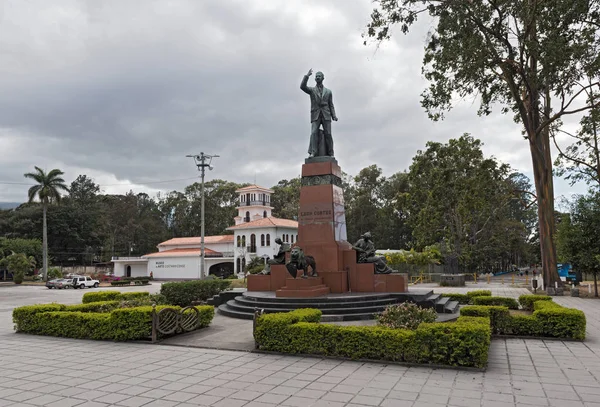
(510, 303)
(479, 293)
(97, 296)
(548, 320)
(81, 322)
(461, 343)
(120, 283)
(184, 293)
(527, 301)
(468, 297)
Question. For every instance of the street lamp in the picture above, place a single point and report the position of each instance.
(201, 162)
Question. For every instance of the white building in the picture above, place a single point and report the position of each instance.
(254, 235)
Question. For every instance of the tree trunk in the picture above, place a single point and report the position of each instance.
(542, 169)
(45, 244)
(595, 284)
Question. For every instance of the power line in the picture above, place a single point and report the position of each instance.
(107, 185)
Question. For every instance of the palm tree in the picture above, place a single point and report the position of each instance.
(47, 191)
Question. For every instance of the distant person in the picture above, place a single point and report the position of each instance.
(527, 272)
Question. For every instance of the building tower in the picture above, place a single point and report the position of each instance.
(255, 204)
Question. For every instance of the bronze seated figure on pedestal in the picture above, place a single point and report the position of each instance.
(365, 249)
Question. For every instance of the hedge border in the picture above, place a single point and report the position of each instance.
(463, 343)
(549, 320)
(108, 295)
(83, 321)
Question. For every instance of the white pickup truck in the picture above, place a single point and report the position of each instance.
(84, 281)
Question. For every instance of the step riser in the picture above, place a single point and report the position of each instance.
(319, 305)
(334, 311)
(419, 297)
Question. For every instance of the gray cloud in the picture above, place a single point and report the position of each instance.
(123, 90)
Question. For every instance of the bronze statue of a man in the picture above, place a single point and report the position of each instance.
(366, 254)
(322, 113)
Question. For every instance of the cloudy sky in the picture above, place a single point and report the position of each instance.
(123, 90)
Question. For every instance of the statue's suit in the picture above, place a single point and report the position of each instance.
(321, 112)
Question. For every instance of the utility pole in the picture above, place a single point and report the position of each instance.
(202, 162)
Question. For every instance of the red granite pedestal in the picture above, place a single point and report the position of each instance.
(322, 234)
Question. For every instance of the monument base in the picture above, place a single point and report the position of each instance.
(303, 288)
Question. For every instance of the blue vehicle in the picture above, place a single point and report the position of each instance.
(565, 272)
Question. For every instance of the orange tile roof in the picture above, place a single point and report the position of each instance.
(180, 252)
(266, 222)
(196, 240)
(253, 187)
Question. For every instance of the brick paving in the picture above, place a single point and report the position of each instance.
(43, 371)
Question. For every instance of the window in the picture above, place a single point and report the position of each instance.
(262, 240)
(268, 239)
(243, 241)
(239, 241)
(296, 238)
(238, 263)
(244, 264)
(247, 218)
(264, 214)
(292, 238)
(252, 243)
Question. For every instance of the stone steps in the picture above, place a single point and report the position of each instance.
(335, 307)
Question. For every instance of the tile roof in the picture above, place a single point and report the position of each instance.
(196, 240)
(183, 252)
(253, 187)
(266, 222)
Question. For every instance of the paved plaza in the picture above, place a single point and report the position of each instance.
(44, 371)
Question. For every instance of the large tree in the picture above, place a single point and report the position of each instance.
(578, 237)
(464, 200)
(529, 56)
(47, 190)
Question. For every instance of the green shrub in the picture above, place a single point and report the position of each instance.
(559, 322)
(23, 316)
(100, 306)
(93, 321)
(461, 343)
(527, 301)
(510, 303)
(18, 277)
(54, 272)
(97, 296)
(120, 283)
(185, 292)
(479, 293)
(461, 298)
(405, 316)
(548, 320)
(499, 315)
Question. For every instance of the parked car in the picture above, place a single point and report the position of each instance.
(84, 281)
(64, 283)
(52, 283)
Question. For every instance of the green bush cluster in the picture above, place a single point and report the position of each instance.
(479, 293)
(461, 343)
(527, 301)
(549, 319)
(184, 293)
(405, 316)
(508, 302)
(97, 296)
(120, 283)
(467, 298)
(96, 320)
